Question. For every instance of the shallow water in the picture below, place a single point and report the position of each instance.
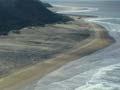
(98, 71)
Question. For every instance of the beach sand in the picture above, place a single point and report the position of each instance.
(97, 40)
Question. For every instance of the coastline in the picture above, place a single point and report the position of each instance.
(97, 40)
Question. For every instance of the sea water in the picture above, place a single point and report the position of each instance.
(98, 71)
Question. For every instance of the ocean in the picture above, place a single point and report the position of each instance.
(98, 71)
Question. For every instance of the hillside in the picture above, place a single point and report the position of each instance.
(37, 44)
(16, 14)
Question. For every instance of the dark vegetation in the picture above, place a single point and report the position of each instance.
(16, 14)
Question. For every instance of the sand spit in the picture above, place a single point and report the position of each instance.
(97, 40)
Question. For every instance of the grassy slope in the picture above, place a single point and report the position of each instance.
(35, 44)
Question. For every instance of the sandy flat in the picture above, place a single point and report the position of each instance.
(98, 39)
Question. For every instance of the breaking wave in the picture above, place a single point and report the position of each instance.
(98, 71)
(92, 72)
(69, 9)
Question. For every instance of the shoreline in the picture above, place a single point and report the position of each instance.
(97, 40)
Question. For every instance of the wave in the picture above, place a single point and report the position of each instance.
(73, 9)
(107, 78)
(98, 71)
(110, 21)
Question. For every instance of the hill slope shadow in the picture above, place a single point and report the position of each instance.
(16, 14)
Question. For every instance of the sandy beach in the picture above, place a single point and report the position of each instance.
(97, 40)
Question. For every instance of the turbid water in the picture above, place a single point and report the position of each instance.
(98, 71)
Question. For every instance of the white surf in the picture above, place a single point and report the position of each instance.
(98, 71)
